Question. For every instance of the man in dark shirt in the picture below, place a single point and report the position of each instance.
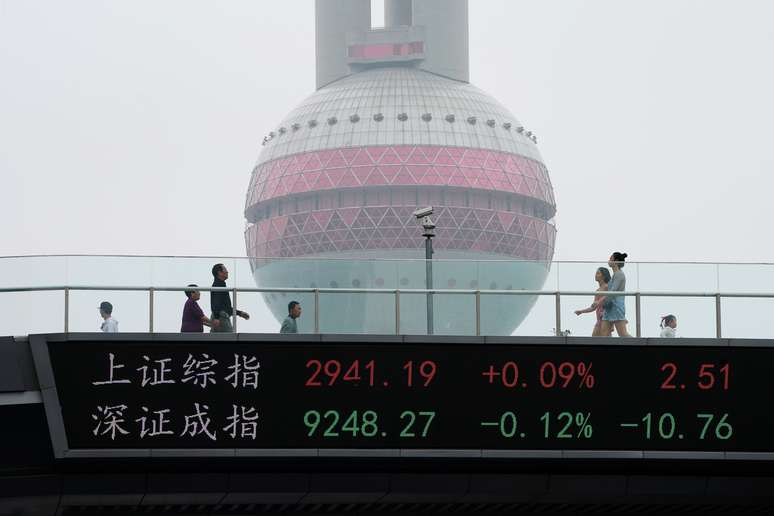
(220, 302)
(194, 319)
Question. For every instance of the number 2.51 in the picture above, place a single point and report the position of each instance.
(709, 376)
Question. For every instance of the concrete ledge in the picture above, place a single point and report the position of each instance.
(103, 489)
(506, 488)
(347, 488)
(34, 495)
(588, 488)
(437, 488)
(683, 342)
(664, 489)
(182, 489)
(281, 488)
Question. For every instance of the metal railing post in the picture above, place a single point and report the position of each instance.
(150, 310)
(317, 310)
(558, 314)
(397, 312)
(67, 310)
(718, 318)
(637, 312)
(234, 315)
(478, 313)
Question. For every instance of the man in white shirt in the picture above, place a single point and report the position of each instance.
(109, 325)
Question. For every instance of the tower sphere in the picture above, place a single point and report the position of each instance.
(341, 175)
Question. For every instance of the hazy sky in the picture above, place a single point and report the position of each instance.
(132, 126)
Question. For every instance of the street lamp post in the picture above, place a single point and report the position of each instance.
(428, 226)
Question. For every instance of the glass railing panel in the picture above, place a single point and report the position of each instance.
(33, 271)
(747, 318)
(179, 272)
(453, 274)
(579, 325)
(267, 310)
(343, 312)
(501, 314)
(552, 278)
(633, 280)
(541, 319)
(411, 274)
(324, 273)
(115, 271)
(130, 308)
(243, 274)
(288, 273)
(678, 277)
(454, 314)
(578, 276)
(413, 314)
(24, 313)
(746, 277)
(375, 274)
(168, 310)
(583, 325)
(631, 316)
(695, 315)
(514, 275)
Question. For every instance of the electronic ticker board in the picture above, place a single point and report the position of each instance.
(307, 398)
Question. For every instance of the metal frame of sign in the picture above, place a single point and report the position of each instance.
(62, 450)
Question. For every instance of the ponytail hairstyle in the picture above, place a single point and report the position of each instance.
(605, 272)
(620, 258)
(665, 320)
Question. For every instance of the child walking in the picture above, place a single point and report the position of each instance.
(602, 277)
(668, 327)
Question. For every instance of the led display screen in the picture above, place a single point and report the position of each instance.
(290, 395)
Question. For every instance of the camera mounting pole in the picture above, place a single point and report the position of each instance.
(428, 233)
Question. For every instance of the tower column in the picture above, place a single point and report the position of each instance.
(333, 20)
(446, 36)
(397, 13)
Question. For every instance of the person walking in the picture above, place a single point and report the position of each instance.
(602, 277)
(668, 327)
(289, 325)
(194, 319)
(220, 302)
(615, 306)
(109, 325)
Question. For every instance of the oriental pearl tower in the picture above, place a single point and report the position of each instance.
(395, 125)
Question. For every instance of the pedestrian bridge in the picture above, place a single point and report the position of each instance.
(154, 421)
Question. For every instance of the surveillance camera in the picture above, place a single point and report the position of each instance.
(424, 212)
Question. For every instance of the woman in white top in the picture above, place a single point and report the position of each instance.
(668, 327)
